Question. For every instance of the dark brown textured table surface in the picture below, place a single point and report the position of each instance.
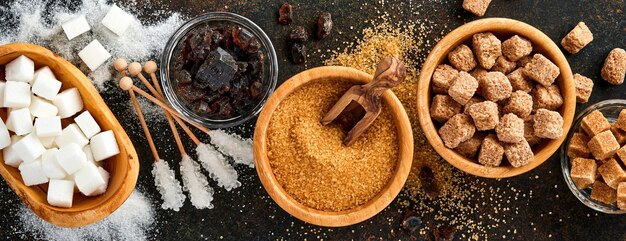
(545, 209)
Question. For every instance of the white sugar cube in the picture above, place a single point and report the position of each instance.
(75, 27)
(88, 179)
(5, 137)
(51, 166)
(71, 158)
(71, 134)
(48, 142)
(9, 155)
(44, 72)
(117, 20)
(89, 154)
(104, 145)
(2, 84)
(16, 94)
(94, 55)
(68, 102)
(21, 69)
(32, 173)
(42, 108)
(21, 122)
(46, 87)
(102, 188)
(60, 193)
(29, 148)
(87, 124)
(48, 126)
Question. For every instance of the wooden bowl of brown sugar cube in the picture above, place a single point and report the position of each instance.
(496, 97)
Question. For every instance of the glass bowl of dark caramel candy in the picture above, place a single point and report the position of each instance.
(218, 69)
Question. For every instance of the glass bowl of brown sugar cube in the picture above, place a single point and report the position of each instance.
(593, 158)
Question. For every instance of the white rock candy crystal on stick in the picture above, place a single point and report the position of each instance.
(215, 163)
(234, 146)
(168, 185)
(196, 184)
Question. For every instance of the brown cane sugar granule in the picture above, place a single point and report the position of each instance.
(310, 161)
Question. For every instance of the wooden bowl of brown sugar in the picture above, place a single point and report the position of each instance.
(503, 29)
(304, 166)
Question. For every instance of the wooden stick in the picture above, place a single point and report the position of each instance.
(143, 124)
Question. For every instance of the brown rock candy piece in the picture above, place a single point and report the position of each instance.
(584, 86)
(510, 129)
(603, 145)
(491, 151)
(519, 81)
(578, 146)
(621, 196)
(443, 77)
(577, 39)
(518, 154)
(487, 48)
(529, 132)
(475, 99)
(463, 88)
(520, 103)
(495, 86)
(462, 58)
(470, 147)
(603, 193)
(324, 25)
(284, 14)
(298, 34)
(614, 67)
(594, 123)
(542, 70)
(457, 130)
(547, 97)
(477, 7)
(485, 115)
(583, 172)
(443, 107)
(612, 173)
(503, 65)
(620, 123)
(298, 53)
(548, 124)
(516, 47)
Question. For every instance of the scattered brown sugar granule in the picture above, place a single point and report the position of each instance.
(485, 115)
(443, 108)
(583, 172)
(547, 97)
(542, 70)
(620, 123)
(614, 67)
(310, 161)
(487, 48)
(594, 123)
(612, 173)
(577, 39)
(520, 103)
(443, 77)
(621, 196)
(518, 154)
(477, 7)
(548, 124)
(510, 129)
(491, 151)
(495, 86)
(516, 47)
(519, 81)
(603, 145)
(470, 147)
(584, 86)
(578, 146)
(284, 14)
(503, 65)
(462, 58)
(603, 193)
(458, 129)
(463, 88)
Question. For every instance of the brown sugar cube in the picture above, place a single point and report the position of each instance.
(578, 146)
(584, 86)
(510, 129)
(495, 86)
(614, 67)
(594, 123)
(475, 99)
(478, 72)
(443, 108)
(548, 124)
(523, 61)
(458, 129)
(470, 147)
(503, 65)
(542, 70)
(520, 103)
(485, 115)
(612, 173)
(487, 48)
(577, 39)
(583, 172)
(529, 133)
(516, 47)
(620, 135)
(462, 58)
(621, 196)
(491, 151)
(477, 7)
(443, 77)
(463, 88)
(603, 145)
(621, 153)
(519, 154)
(547, 97)
(603, 193)
(519, 81)
(620, 123)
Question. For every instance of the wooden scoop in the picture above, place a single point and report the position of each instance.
(361, 103)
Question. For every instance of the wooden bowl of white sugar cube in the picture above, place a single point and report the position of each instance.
(64, 153)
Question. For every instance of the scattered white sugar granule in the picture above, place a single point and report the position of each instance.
(196, 184)
(130, 222)
(217, 166)
(168, 186)
(234, 146)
